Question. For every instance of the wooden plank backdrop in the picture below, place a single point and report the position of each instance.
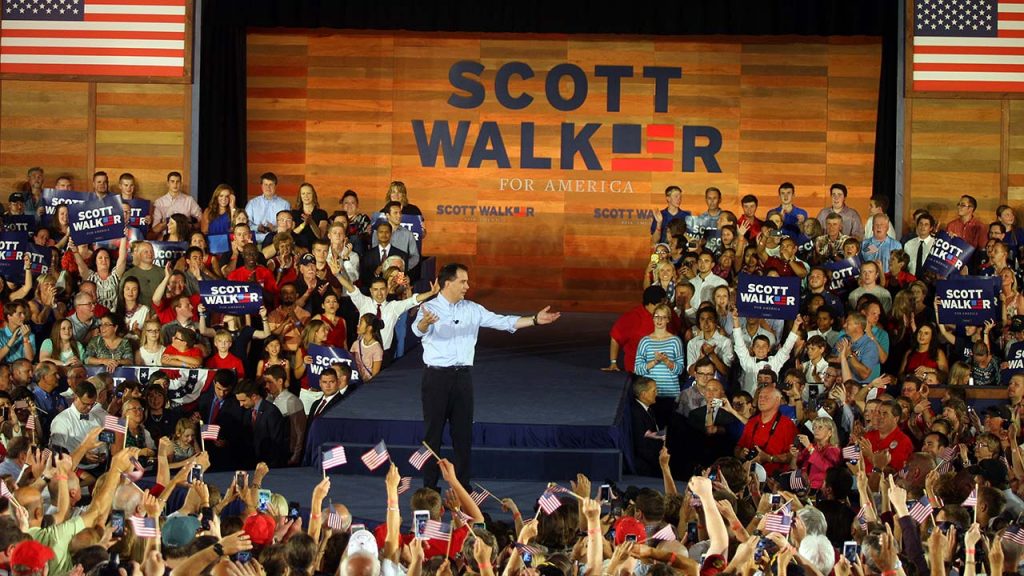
(335, 108)
(78, 128)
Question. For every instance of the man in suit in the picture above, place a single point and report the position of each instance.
(401, 238)
(918, 247)
(334, 383)
(712, 429)
(382, 249)
(264, 427)
(218, 406)
(646, 446)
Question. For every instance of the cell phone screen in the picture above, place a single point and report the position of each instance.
(263, 500)
(117, 523)
(851, 550)
(419, 523)
(107, 437)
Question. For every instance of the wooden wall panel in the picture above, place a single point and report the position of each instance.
(336, 109)
(955, 150)
(139, 128)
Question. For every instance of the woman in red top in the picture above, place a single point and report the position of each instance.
(183, 351)
(337, 335)
(925, 356)
(815, 458)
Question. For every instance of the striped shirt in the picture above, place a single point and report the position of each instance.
(666, 379)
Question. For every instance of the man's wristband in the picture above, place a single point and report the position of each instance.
(613, 361)
(535, 321)
(218, 549)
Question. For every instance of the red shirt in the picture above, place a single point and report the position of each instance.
(779, 265)
(260, 275)
(193, 352)
(755, 226)
(431, 547)
(165, 312)
(896, 443)
(231, 362)
(771, 438)
(973, 231)
(338, 336)
(630, 328)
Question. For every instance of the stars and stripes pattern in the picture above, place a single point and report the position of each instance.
(526, 549)
(333, 458)
(796, 481)
(94, 37)
(115, 424)
(210, 432)
(5, 492)
(666, 533)
(144, 526)
(404, 485)
(479, 496)
(921, 510)
(420, 457)
(862, 517)
(972, 499)
(437, 530)
(30, 424)
(376, 456)
(334, 521)
(548, 502)
(948, 453)
(1015, 534)
(851, 452)
(778, 522)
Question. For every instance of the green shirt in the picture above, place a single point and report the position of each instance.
(58, 538)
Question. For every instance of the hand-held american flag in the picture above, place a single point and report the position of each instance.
(548, 502)
(210, 432)
(666, 533)
(778, 522)
(404, 485)
(796, 481)
(480, 495)
(972, 499)
(144, 526)
(333, 458)
(851, 452)
(334, 521)
(115, 424)
(94, 37)
(420, 457)
(1015, 534)
(376, 456)
(436, 530)
(921, 510)
(968, 46)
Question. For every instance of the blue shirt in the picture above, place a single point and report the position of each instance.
(451, 341)
(264, 211)
(883, 249)
(667, 217)
(793, 217)
(867, 353)
(49, 402)
(17, 349)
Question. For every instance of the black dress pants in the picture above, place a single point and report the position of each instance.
(447, 394)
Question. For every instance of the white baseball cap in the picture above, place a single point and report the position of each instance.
(363, 543)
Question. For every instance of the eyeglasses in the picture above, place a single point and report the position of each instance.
(660, 317)
(106, 325)
(86, 304)
(963, 205)
(178, 338)
(709, 374)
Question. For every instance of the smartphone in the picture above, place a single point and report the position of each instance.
(716, 403)
(655, 258)
(195, 474)
(204, 517)
(630, 537)
(604, 493)
(419, 523)
(117, 522)
(240, 479)
(713, 475)
(851, 551)
(293, 510)
(107, 436)
(775, 500)
(759, 551)
(527, 559)
(263, 500)
(691, 534)
(243, 557)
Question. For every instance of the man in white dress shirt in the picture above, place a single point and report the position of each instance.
(70, 427)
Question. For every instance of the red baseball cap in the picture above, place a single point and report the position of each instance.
(631, 526)
(30, 556)
(260, 528)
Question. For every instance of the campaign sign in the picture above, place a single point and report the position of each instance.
(410, 222)
(40, 258)
(97, 220)
(325, 357)
(138, 210)
(767, 296)
(20, 223)
(948, 255)
(12, 256)
(1013, 364)
(53, 198)
(231, 297)
(968, 300)
(164, 252)
(843, 274)
(713, 240)
(219, 244)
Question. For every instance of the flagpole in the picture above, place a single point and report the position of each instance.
(477, 484)
(427, 446)
(202, 441)
(563, 491)
(976, 496)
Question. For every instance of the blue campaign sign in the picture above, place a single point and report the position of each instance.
(968, 300)
(53, 198)
(12, 255)
(326, 356)
(231, 297)
(219, 243)
(1013, 364)
(843, 274)
(713, 240)
(410, 222)
(768, 296)
(138, 212)
(97, 220)
(164, 252)
(949, 254)
(20, 223)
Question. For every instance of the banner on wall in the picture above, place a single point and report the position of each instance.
(96, 220)
(949, 254)
(231, 297)
(768, 296)
(324, 357)
(52, 198)
(968, 300)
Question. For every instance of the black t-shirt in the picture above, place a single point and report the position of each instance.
(307, 236)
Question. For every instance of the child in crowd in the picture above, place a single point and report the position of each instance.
(366, 350)
(984, 368)
(222, 357)
(272, 356)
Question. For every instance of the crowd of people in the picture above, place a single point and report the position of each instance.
(807, 446)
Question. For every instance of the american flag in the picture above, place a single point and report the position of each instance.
(30, 424)
(972, 500)
(376, 456)
(666, 533)
(404, 485)
(334, 521)
(968, 46)
(862, 517)
(778, 522)
(420, 457)
(333, 457)
(94, 37)
(5, 492)
(144, 526)
(1015, 534)
(526, 549)
(851, 453)
(435, 530)
(549, 503)
(210, 431)
(921, 510)
(479, 496)
(946, 466)
(466, 518)
(796, 481)
(695, 501)
(115, 424)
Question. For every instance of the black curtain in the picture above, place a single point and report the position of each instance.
(884, 181)
(222, 120)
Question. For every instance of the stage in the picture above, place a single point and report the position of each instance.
(543, 408)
